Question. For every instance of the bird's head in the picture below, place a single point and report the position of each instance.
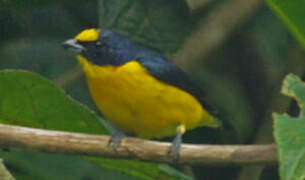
(87, 43)
(102, 47)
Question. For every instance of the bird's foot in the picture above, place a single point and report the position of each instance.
(115, 139)
(175, 148)
(176, 144)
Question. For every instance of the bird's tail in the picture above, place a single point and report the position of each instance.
(216, 123)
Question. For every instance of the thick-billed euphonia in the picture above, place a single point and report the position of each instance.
(139, 90)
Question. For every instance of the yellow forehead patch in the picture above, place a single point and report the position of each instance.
(88, 35)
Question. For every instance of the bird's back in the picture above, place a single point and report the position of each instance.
(157, 65)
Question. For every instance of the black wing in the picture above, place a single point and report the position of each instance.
(169, 73)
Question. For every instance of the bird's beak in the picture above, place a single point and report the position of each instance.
(73, 45)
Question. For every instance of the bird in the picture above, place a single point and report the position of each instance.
(139, 90)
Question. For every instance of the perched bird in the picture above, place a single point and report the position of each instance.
(139, 90)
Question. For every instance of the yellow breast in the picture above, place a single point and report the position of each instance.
(138, 103)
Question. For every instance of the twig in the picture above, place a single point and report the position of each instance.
(214, 29)
(197, 4)
(4, 173)
(133, 148)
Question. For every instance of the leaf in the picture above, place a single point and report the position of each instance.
(27, 99)
(143, 170)
(4, 173)
(289, 133)
(159, 24)
(29, 166)
(30, 100)
(292, 13)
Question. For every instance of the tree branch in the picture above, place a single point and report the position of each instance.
(133, 148)
(214, 29)
(197, 4)
(279, 104)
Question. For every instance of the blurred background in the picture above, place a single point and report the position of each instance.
(237, 51)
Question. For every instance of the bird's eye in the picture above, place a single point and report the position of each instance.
(98, 44)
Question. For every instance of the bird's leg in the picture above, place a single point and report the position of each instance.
(116, 138)
(176, 144)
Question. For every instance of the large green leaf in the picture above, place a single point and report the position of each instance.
(289, 133)
(160, 24)
(41, 166)
(292, 13)
(27, 99)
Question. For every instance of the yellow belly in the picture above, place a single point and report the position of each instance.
(138, 103)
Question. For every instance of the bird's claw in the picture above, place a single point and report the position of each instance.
(115, 139)
(174, 150)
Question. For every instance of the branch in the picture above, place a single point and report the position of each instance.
(279, 104)
(133, 148)
(197, 4)
(214, 29)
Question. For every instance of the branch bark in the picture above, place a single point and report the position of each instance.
(133, 148)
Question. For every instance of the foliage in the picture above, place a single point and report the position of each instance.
(242, 77)
(147, 22)
(30, 100)
(292, 14)
(289, 133)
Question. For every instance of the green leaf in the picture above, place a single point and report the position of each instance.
(4, 173)
(27, 99)
(29, 166)
(292, 13)
(159, 24)
(30, 100)
(289, 133)
(142, 170)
